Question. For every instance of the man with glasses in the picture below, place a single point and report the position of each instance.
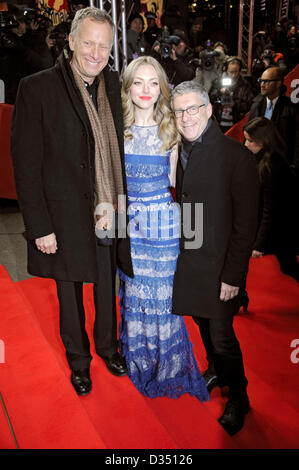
(273, 104)
(219, 173)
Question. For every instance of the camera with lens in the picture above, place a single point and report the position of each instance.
(166, 42)
(34, 14)
(59, 34)
(207, 57)
(226, 98)
(7, 22)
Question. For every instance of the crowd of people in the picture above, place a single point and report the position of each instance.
(110, 163)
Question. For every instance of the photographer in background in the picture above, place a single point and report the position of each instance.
(152, 32)
(12, 57)
(231, 95)
(58, 38)
(210, 64)
(37, 40)
(23, 47)
(175, 57)
(136, 43)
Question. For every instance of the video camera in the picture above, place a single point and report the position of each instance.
(207, 56)
(59, 34)
(7, 21)
(166, 42)
(35, 14)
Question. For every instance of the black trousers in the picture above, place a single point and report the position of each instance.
(72, 314)
(224, 354)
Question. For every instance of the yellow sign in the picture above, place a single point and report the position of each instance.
(156, 6)
(59, 10)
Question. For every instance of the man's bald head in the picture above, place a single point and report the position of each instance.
(271, 82)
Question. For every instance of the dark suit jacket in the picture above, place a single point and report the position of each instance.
(278, 214)
(222, 174)
(52, 147)
(286, 118)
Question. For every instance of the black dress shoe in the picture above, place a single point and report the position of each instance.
(116, 364)
(210, 379)
(81, 381)
(233, 417)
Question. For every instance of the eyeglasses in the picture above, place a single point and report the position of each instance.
(266, 82)
(192, 110)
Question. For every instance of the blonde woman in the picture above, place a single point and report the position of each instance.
(154, 342)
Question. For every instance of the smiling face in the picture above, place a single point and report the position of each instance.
(91, 48)
(145, 88)
(191, 126)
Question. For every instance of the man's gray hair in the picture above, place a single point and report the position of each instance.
(101, 16)
(190, 87)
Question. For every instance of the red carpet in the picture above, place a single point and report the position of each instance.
(46, 413)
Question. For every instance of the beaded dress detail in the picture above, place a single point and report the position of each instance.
(154, 342)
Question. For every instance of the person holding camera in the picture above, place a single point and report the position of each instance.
(231, 96)
(173, 54)
(23, 46)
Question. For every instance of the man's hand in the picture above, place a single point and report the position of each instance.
(228, 292)
(47, 244)
(256, 254)
(172, 53)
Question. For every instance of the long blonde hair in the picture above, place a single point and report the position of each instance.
(163, 115)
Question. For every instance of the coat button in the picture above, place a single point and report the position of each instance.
(85, 196)
(82, 165)
(184, 195)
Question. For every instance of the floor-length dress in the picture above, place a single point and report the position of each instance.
(154, 341)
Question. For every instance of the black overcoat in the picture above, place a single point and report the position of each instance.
(222, 174)
(52, 147)
(286, 118)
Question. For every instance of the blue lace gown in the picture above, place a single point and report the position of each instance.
(154, 341)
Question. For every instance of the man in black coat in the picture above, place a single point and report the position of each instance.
(273, 104)
(54, 144)
(217, 187)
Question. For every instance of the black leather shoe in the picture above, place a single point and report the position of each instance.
(211, 380)
(81, 381)
(234, 414)
(116, 364)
